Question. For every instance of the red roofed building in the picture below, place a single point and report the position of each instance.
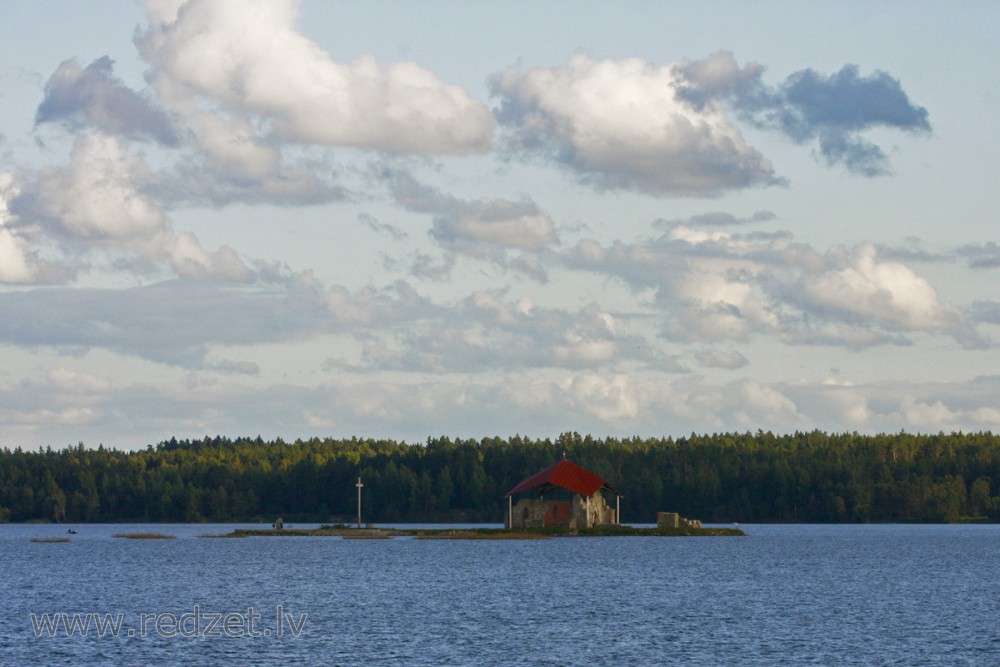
(586, 508)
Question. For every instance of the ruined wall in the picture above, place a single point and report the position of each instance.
(581, 512)
(592, 511)
(529, 513)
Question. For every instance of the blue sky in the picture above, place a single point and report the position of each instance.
(409, 219)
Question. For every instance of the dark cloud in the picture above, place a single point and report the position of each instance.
(859, 156)
(200, 182)
(376, 226)
(235, 367)
(93, 97)
(429, 268)
(714, 358)
(176, 322)
(717, 219)
(172, 322)
(830, 109)
(981, 255)
(911, 250)
(985, 311)
(848, 102)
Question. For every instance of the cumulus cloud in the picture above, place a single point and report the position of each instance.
(833, 110)
(17, 262)
(715, 285)
(495, 222)
(619, 125)
(98, 202)
(225, 157)
(249, 58)
(96, 196)
(885, 292)
(610, 399)
(484, 228)
(485, 331)
(371, 308)
(761, 404)
(93, 97)
(586, 401)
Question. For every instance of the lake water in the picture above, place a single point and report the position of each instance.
(783, 595)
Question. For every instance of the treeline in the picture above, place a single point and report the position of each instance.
(748, 477)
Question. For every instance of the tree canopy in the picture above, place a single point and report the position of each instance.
(746, 477)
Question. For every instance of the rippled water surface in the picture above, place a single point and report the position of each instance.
(783, 595)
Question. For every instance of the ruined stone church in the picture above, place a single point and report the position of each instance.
(585, 508)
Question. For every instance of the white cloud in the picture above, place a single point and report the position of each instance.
(98, 202)
(578, 348)
(487, 331)
(619, 125)
(232, 145)
(720, 300)
(96, 196)
(249, 57)
(717, 285)
(759, 399)
(499, 223)
(189, 260)
(17, 264)
(928, 416)
(847, 404)
(482, 228)
(62, 379)
(885, 292)
(611, 399)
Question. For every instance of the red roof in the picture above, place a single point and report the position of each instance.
(567, 475)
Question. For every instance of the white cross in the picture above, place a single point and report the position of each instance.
(359, 485)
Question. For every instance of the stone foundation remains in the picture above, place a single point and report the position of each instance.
(675, 520)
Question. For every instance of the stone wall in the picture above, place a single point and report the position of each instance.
(592, 511)
(529, 513)
(585, 512)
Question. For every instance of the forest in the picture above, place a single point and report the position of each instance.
(729, 477)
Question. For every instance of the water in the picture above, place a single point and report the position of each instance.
(784, 595)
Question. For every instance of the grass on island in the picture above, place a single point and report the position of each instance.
(480, 534)
(50, 539)
(483, 533)
(144, 536)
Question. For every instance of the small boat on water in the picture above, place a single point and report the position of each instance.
(71, 531)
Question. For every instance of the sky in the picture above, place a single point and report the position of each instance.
(411, 219)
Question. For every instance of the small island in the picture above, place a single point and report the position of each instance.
(568, 501)
(541, 533)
